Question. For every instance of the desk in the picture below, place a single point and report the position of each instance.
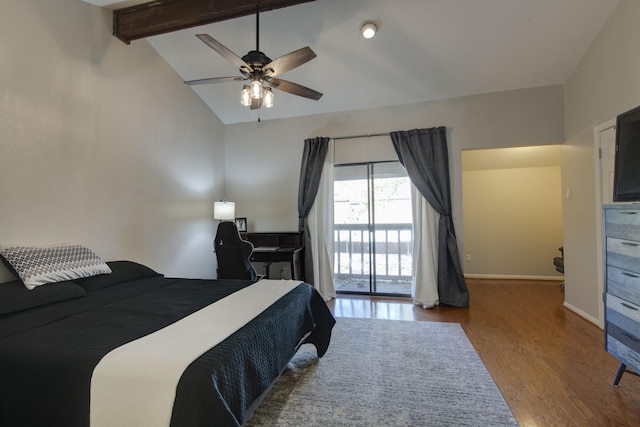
(278, 247)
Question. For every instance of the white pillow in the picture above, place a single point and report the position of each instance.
(37, 266)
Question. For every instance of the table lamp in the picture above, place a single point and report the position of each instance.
(224, 210)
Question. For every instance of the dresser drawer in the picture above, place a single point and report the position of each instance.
(623, 223)
(624, 254)
(623, 314)
(623, 346)
(623, 284)
(623, 216)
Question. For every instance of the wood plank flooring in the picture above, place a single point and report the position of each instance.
(548, 362)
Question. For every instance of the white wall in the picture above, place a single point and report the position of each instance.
(101, 143)
(263, 159)
(605, 84)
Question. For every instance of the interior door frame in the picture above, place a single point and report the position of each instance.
(597, 131)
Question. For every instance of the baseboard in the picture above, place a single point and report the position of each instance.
(512, 277)
(582, 314)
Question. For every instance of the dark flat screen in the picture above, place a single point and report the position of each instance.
(626, 184)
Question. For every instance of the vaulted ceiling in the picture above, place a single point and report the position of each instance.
(425, 50)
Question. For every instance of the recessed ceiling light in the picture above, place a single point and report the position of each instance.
(368, 29)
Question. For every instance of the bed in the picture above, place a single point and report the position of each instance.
(51, 348)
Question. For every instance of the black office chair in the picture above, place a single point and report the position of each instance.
(558, 263)
(233, 254)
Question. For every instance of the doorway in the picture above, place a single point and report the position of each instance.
(372, 229)
(512, 212)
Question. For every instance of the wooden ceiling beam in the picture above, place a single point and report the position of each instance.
(165, 16)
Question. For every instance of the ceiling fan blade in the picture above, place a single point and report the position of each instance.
(225, 52)
(214, 80)
(294, 89)
(288, 62)
(256, 103)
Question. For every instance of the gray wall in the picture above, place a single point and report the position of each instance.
(605, 84)
(101, 144)
(263, 159)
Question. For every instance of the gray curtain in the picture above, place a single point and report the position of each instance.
(315, 151)
(423, 153)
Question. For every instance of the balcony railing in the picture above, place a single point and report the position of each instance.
(388, 246)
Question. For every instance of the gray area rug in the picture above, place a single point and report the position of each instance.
(386, 373)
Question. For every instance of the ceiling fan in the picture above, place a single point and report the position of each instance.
(259, 68)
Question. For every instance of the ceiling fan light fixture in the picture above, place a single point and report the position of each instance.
(268, 97)
(256, 89)
(245, 96)
(368, 29)
(258, 67)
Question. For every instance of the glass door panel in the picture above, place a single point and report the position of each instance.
(372, 220)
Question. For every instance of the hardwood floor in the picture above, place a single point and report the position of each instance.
(548, 362)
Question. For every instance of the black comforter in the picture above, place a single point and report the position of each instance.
(47, 355)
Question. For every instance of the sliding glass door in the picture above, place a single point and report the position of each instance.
(372, 223)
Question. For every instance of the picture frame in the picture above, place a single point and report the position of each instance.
(241, 224)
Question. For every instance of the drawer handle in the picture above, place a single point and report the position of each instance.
(629, 212)
(629, 336)
(629, 306)
(629, 244)
(630, 275)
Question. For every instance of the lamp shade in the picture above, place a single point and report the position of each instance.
(224, 210)
(256, 89)
(245, 96)
(268, 97)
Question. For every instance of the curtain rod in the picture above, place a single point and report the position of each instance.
(369, 135)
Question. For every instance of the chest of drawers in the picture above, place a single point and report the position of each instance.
(622, 285)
